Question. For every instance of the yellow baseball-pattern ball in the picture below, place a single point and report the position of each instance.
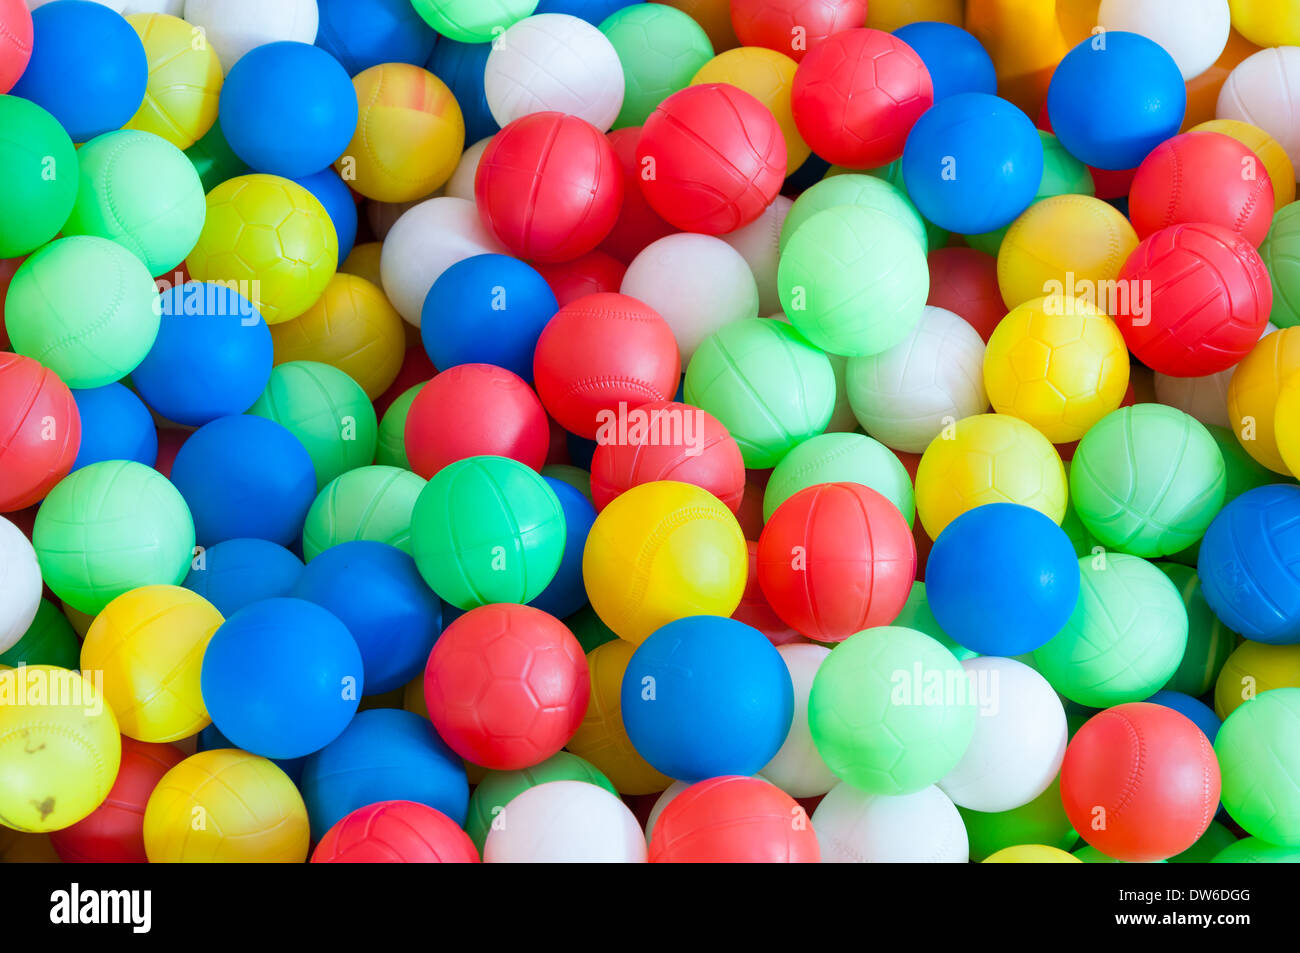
(660, 552)
(1060, 237)
(1252, 668)
(768, 76)
(149, 644)
(59, 747)
(273, 238)
(601, 738)
(1057, 363)
(988, 458)
(1031, 854)
(226, 806)
(1276, 162)
(410, 134)
(1267, 22)
(185, 76)
(1253, 395)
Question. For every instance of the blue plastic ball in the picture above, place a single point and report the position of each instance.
(239, 572)
(364, 33)
(593, 11)
(88, 68)
(567, 593)
(1002, 579)
(956, 60)
(385, 755)
(706, 696)
(1114, 98)
(462, 67)
(115, 425)
(331, 192)
(488, 309)
(1250, 564)
(1200, 714)
(281, 678)
(245, 476)
(288, 109)
(210, 739)
(972, 163)
(376, 591)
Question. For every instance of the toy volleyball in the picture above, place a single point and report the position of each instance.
(768, 76)
(840, 458)
(40, 202)
(395, 832)
(1279, 254)
(237, 572)
(733, 819)
(660, 48)
(499, 788)
(372, 503)
(20, 585)
(1259, 787)
(180, 97)
(566, 822)
(923, 827)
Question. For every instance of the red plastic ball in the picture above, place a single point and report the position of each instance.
(549, 186)
(40, 431)
(1140, 782)
(114, 832)
(857, 96)
(602, 353)
(395, 832)
(474, 410)
(638, 224)
(507, 686)
(1202, 177)
(836, 558)
(712, 158)
(591, 274)
(15, 41)
(666, 440)
(965, 282)
(1197, 300)
(733, 820)
(794, 27)
(755, 611)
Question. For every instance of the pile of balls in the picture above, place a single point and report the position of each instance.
(582, 430)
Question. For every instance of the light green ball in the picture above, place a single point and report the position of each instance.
(864, 191)
(916, 614)
(936, 237)
(325, 409)
(1209, 641)
(38, 175)
(499, 788)
(891, 711)
(371, 503)
(1252, 850)
(1281, 253)
(841, 458)
(1041, 821)
(472, 21)
(660, 48)
(109, 528)
(853, 280)
(766, 384)
(391, 448)
(1125, 638)
(84, 307)
(1260, 763)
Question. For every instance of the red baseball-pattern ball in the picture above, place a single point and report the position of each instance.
(794, 27)
(40, 431)
(395, 832)
(733, 820)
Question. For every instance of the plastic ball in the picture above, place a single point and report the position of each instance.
(955, 60)
(1253, 395)
(339, 203)
(462, 66)
(768, 76)
(638, 224)
(37, 204)
(1196, 710)
(1031, 854)
(840, 458)
(16, 51)
(1194, 34)
(797, 768)
(1281, 173)
(733, 819)
(1252, 669)
(566, 822)
(965, 282)
(395, 832)
(866, 191)
(372, 503)
(1259, 765)
(1250, 94)
(180, 100)
(1280, 253)
(660, 48)
(20, 584)
(239, 572)
(364, 34)
(922, 827)
(472, 21)
(794, 27)
(499, 788)
(1252, 850)
(592, 273)
(48, 640)
(39, 416)
(235, 27)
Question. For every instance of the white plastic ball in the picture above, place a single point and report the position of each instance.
(661, 802)
(20, 584)
(1259, 91)
(426, 241)
(554, 62)
(698, 283)
(1019, 741)
(1193, 32)
(797, 768)
(854, 827)
(233, 27)
(757, 243)
(1205, 398)
(907, 395)
(461, 183)
(565, 822)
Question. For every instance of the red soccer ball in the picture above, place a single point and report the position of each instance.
(794, 27)
(733, 820)
(507, 686)
(836, 558)
(711, 158)
(602, 355)
(591, 274)
(1140, 782)
(638, 224)
(1202, 177)
(1193, 300)
(756, 612)
(473, 410)
(965, 282)
(549, 186)
(40, 431)
(857, 96)
(395, 832)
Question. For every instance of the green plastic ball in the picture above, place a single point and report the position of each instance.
(1281, 253)
(38, 169)
(214, 160)
(472, 21)
(1209, 641)
(660, 48)
(325, 409)
(766, 384)
(891, 710)
(372, 503)
(390, 450)
(487, 529)
(853, 280)
(576, 477)
(916, 614)
(109, 528)
(84, 307)
(49, 640)
(864, 191)
(1260, 763)
(1147, 480)
(589, 629)
(1252, 850)
(936, 237)
(1125, 638)
(1041, 821)
(140, 191)
(499, 788)
(841, 458)
(1215, 839)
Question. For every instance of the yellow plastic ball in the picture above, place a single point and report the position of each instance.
(226, 806)
(602, 738)
(1064, 244)
(1281, 172)
(180, 101)
(988, 458)
(149, 644)
(1253, 395)
(1057, 363)
(1252, 668)
(1286, 422)
(272, 238)
(410, 134)
(59, 747)
(1031, 854)
(660, 552)
(1267, 22)
(768, 76)
(363, 261)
